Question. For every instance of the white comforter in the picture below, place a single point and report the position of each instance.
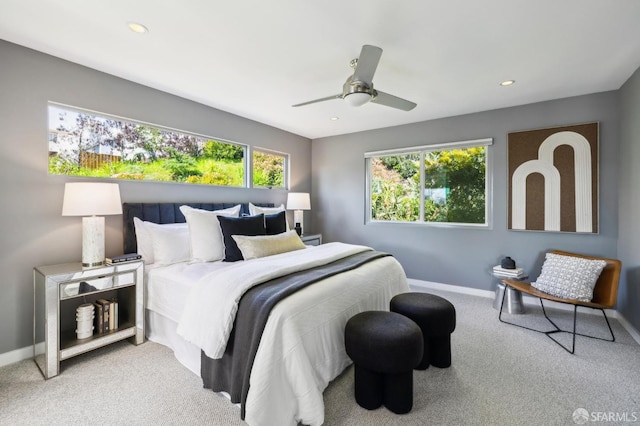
(305, 332)
(209, 328)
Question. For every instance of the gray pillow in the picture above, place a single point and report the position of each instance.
(569, 277)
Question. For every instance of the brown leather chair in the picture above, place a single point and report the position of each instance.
(605, 294)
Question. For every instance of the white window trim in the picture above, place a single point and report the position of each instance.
(421, 150)
(248, 164)
(285, 170)
(433, 147)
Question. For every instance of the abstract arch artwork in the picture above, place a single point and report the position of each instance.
(553, 179)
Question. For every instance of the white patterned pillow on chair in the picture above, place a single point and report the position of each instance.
(569, 277)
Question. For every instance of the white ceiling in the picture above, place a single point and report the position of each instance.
(257, 58)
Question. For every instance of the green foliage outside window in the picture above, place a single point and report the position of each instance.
(461, 174)
(85, 144)
(394, 188)
(454, 186)
(268, 169)
(222, 151)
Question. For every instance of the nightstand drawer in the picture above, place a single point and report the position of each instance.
(76, 288)
(124, 279)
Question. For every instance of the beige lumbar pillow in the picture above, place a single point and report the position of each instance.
(253, 247)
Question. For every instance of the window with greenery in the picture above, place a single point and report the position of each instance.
(269, 169)
(439, 184)
(83, 143)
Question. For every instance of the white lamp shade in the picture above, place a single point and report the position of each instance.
(298, 201)
(91, 199)
(95, 200)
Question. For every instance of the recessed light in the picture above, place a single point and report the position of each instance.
(137, 28)
(334, 118)
(507, 83)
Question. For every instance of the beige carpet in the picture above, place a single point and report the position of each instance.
(501, 375)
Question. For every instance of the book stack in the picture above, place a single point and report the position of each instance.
(516, 273)
(106, 315)
(129, 257)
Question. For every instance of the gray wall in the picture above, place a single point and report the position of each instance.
(463, 257)
(32, 231)
(629, 241)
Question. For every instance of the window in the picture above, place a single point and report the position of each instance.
(83, 143)
(436, 184)
(269, 169)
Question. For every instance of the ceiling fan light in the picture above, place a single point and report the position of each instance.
(357, 99)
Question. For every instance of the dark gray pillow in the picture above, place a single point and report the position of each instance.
(275, 223)
(248, 225)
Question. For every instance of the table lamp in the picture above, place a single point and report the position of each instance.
(298, 201)
(91, 200)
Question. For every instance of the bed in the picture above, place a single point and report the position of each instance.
(301, 347)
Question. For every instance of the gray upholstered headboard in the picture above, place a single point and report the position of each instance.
(165, 213)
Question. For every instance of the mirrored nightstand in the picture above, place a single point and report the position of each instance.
(312, 239)
(58, 292)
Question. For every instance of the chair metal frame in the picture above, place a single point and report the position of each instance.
(605, 295)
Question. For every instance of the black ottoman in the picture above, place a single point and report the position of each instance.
(437, 320)
(385, 347)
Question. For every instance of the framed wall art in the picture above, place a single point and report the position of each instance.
(553, 179)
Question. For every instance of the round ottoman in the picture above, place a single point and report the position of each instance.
(436, 317)
(385, 347)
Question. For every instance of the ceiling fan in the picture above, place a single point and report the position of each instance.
(358, 89)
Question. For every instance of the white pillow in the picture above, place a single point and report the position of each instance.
(207, 244)
(253, 247)
(170, 243)
(254, 210)
(569, 277)
(143, 237)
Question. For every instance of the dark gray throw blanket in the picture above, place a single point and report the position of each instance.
(231, 373)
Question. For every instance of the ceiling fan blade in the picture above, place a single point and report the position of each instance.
(392, 101)
(328, 98)
(367, 64)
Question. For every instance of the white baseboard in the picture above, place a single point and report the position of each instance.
(20, 354)
(419, 285)
(627, 325)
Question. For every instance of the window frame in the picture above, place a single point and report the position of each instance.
(421, 150)
(247, 165)
(285, 168)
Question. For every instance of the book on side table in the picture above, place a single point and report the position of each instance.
(508, 273)
(129, 257)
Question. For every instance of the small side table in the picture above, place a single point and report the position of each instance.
(312, 239)
(513, 298)
(60, 289)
